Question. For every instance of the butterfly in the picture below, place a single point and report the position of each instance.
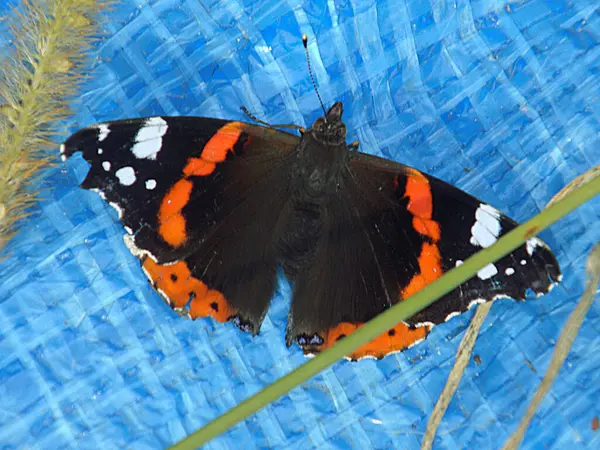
(213, 207)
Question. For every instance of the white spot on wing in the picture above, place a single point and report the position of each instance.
(150, 184)
(126, 176)
(509, 271)
(532, 244)
(148, 141)
(100, 151)
(106, 165)
(523, 262)
(487, 272)
(458, 263)
(103, 131)
(487, 227)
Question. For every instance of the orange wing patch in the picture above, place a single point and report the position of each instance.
(418, 192)
(427, 227)
(172, 227)
(222, 142)
(198, 167)
(177, 284)
(430, 265)
(171, 223)
(420, 204)
(396, 339)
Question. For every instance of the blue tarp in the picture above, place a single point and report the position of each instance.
(497, 97)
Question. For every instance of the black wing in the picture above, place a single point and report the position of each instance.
(200, 199)
(392, 231)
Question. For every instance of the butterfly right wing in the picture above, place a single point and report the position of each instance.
(200, 200)
(389, 233)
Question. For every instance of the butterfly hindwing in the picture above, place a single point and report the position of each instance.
(200, 199)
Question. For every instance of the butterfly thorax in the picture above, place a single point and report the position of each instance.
(321, 158)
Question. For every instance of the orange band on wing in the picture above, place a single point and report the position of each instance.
(222, 142)
(396, 339)
(420, 204)
(214, 305)
(198, 167)
(177, 284)
(427, 227)
(418, 192)
(171, 223)
(430, 266)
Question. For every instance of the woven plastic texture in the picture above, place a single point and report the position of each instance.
(500, 98)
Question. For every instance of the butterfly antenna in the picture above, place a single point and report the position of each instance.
(268, 125)
(253, 117)
(305, 43)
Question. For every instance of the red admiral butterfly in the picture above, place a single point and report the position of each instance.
(212, 208)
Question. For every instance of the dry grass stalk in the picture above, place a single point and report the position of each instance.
(40, 74)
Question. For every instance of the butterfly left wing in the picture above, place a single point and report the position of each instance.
(401, 230)
(200, 200)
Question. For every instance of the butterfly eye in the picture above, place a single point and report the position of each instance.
(319, 125)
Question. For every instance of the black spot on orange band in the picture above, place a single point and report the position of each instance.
(176, 282)
(396, 339)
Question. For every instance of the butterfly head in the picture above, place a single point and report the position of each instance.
(330, 129)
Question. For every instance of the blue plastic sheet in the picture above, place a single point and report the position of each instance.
(497, 97)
